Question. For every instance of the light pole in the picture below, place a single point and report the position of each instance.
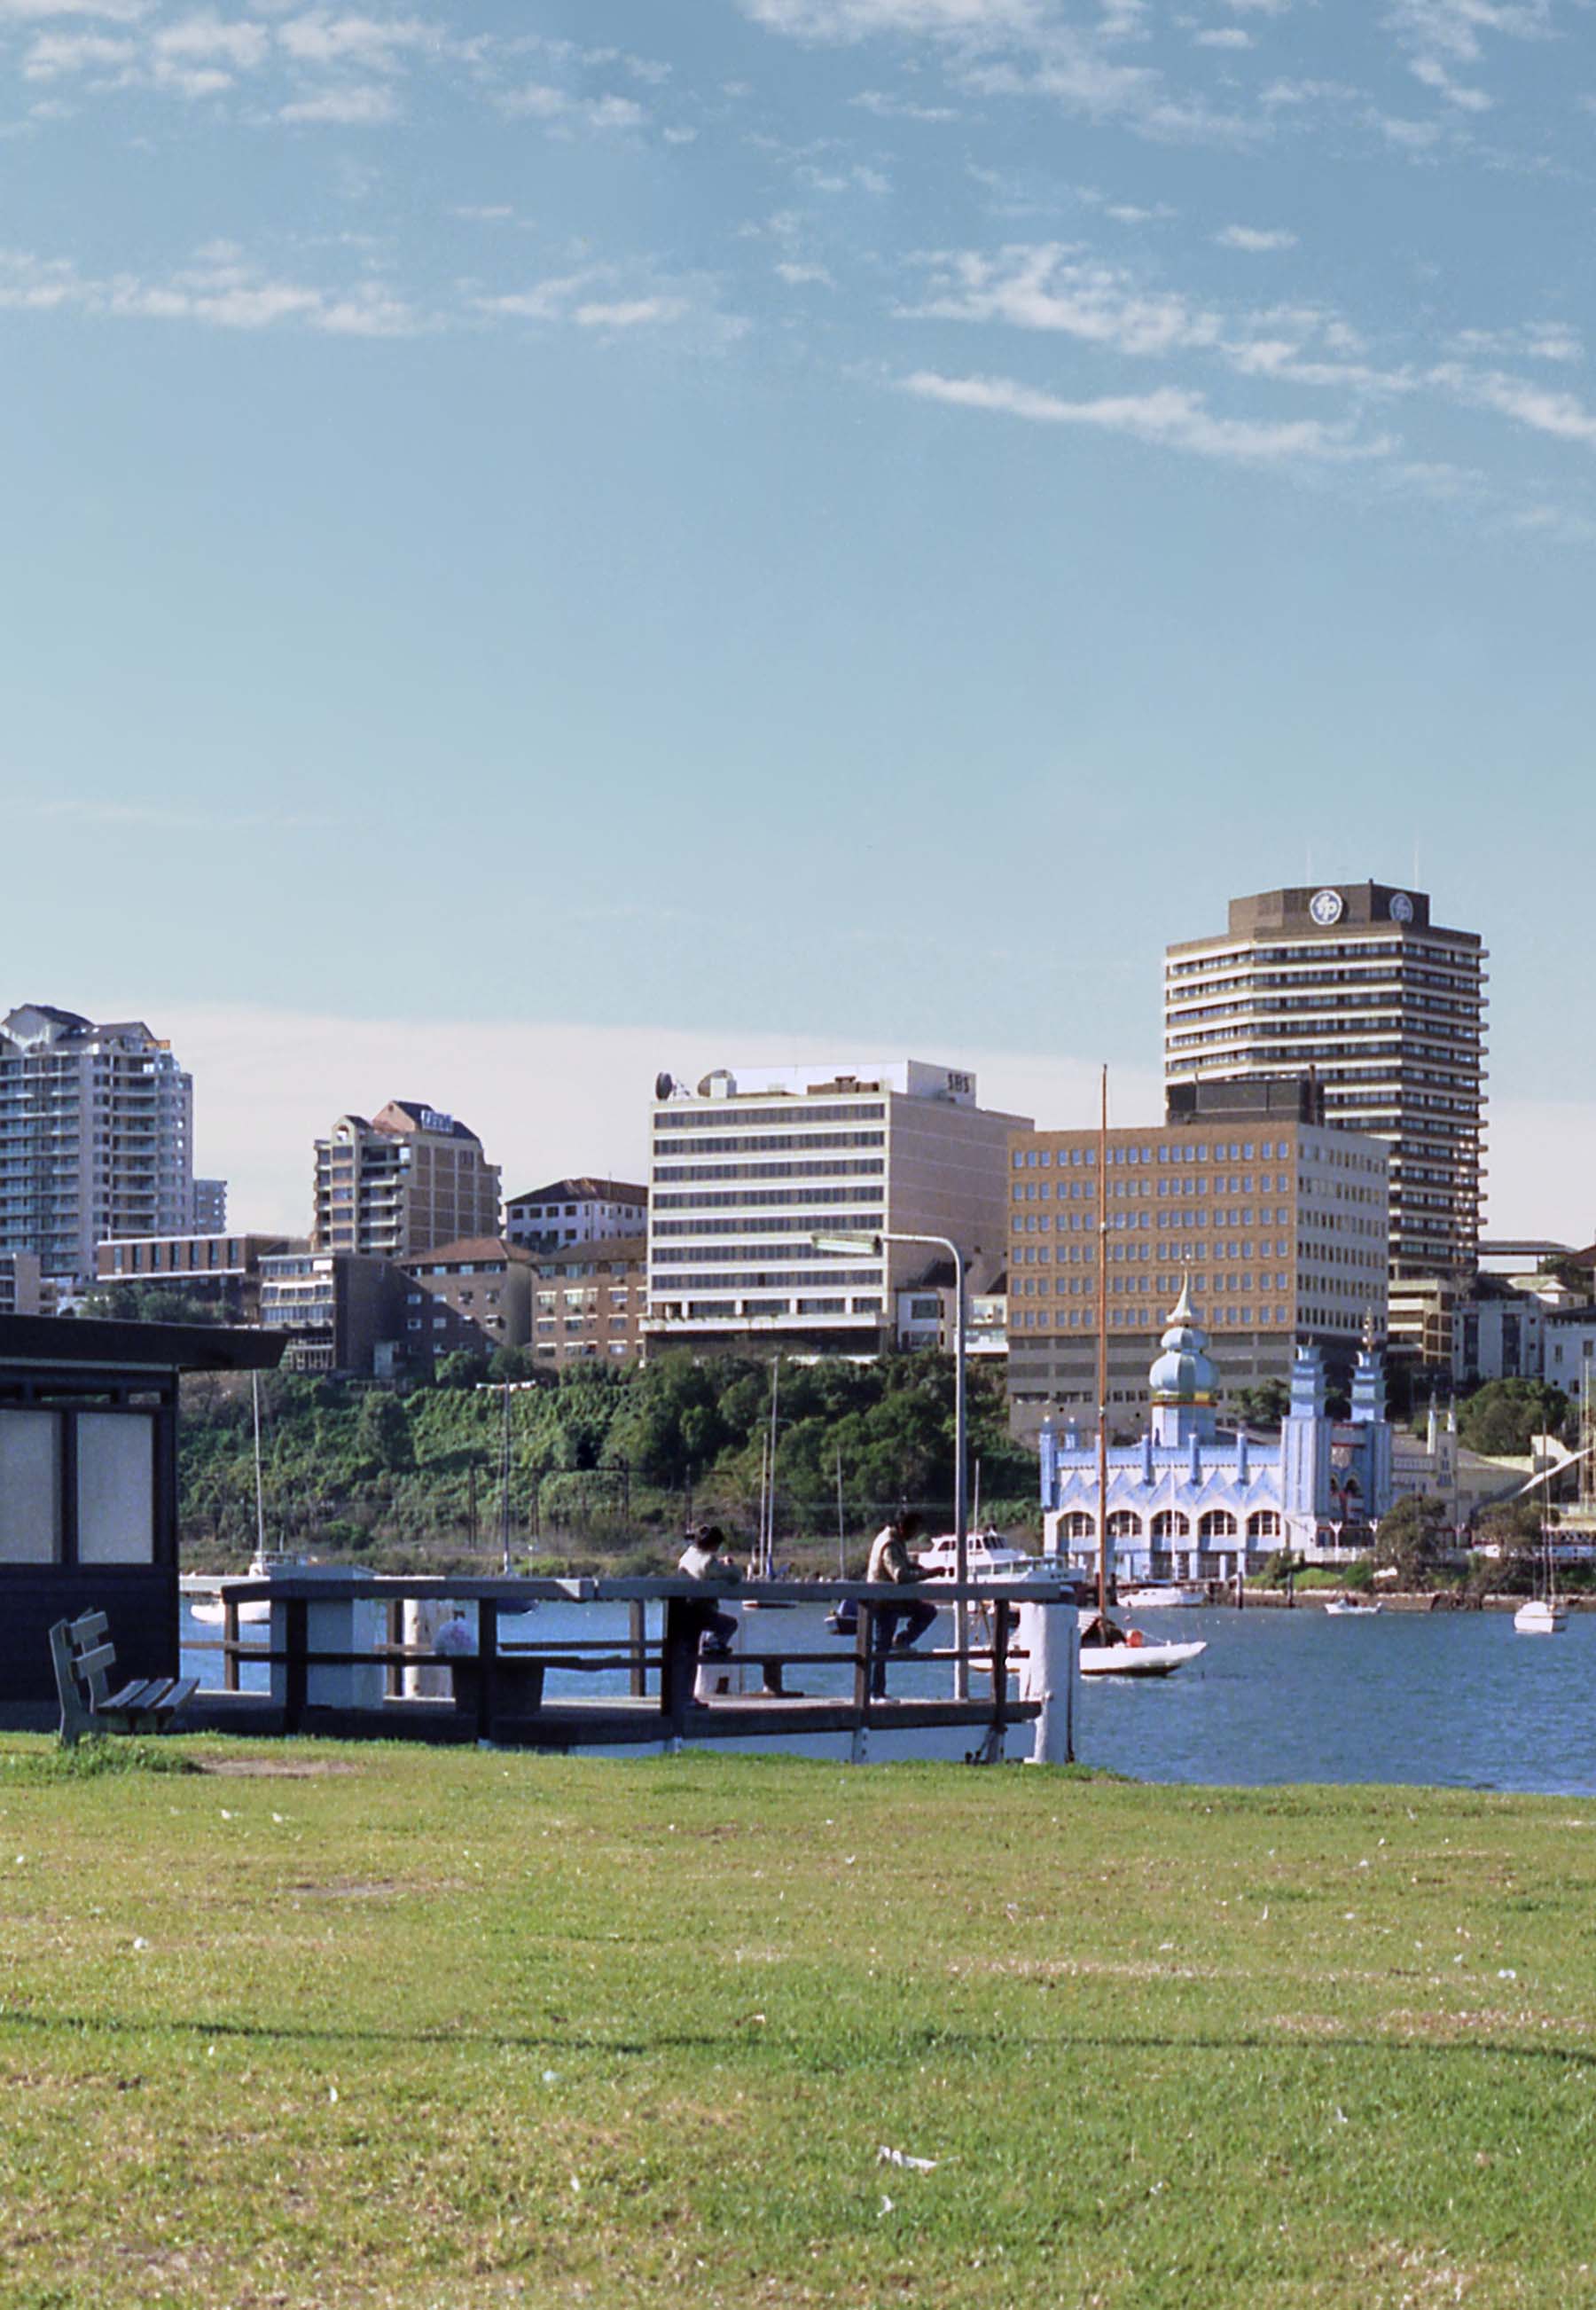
(870, 1245)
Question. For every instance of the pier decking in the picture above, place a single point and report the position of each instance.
(340, 1664)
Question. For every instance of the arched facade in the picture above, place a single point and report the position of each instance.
(1190, 1499)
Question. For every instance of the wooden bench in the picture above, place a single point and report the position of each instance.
(83, 1659)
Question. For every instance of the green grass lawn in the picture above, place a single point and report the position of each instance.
(327, 2026)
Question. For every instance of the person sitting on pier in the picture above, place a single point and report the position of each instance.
(701, 1559)
(890, 1559)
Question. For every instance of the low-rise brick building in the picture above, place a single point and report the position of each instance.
(589, 1300)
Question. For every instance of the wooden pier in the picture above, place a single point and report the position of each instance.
(339, 1665)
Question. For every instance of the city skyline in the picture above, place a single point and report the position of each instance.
(506, 1081)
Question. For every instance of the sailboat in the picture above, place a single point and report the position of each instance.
(1107, 1648)
(254, 1610)
(1543, 1616)
(764, 1567)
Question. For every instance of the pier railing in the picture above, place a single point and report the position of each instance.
(345, 1653)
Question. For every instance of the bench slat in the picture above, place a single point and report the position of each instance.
(88, 1628)
(143, 1693)
(95, 1662)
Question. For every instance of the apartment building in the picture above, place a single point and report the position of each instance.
(1280, 1225)
(209, 1206)
(750, 1168)
(928, 1310)
(576, 1211)
(223, 1268)
(1354, 984)
(21, 1289)
(343, 1313)
(96, 1138)
(484, 1280)
(408, 1180)
(590, 1300)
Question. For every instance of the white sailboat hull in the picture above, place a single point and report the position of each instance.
(1539, 1618)
(1136, 1660)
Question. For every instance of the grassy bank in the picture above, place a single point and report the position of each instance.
(384, 2026)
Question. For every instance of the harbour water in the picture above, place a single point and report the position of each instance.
(1456, 1699)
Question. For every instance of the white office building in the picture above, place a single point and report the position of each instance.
(576, 1211)
(96, 1138)
(747, 1168)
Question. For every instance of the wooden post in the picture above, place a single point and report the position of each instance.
(394, 1679)
(488, 1666)
(678, 1664)
(295, 1682)
(863, 1635)
(229, 1644)
(1001, 1625)
(639, 1620)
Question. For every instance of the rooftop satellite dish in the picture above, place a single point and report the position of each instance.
(663, 1085)
(718, 1083)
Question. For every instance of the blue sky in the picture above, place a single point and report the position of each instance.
(783, 523)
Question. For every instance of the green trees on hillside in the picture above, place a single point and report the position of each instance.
(1500, 1417)
(620, 1446)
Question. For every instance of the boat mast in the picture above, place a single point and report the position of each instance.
(260, 1497)
(1103, 1351)
(771, 1498)
(842, 1544)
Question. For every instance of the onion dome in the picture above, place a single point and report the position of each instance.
(1183, 1373)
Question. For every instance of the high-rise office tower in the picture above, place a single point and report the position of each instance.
(1352, 983)
(407, 1180)
(96, 1137)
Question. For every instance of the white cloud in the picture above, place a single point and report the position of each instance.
(220, 292)
(898, 108)
(799, 276)
(344, 108)
(55, 53)
(1055, 286)
(1439, 36)
(859, 20)
(602, 114)
(1562, 415)
(1253, 239)
(1052, 287)
(1225, 36)
(24, 12)
(1171, 418)
(368, 43)
(631, 313)
(1549, 341)
(617, 299)
(206, 38)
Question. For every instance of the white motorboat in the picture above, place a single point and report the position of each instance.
(1353, 1608)
(1542, 1616)
(988, 1555)
(1109, 1650)
(1163, 1595)
(254, 1611)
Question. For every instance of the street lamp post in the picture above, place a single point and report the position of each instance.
(870, 1245)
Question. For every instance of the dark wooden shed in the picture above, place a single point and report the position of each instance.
(88, 1484)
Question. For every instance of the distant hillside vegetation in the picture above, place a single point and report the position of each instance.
(603, 1463)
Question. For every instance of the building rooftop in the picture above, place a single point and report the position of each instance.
(585, 1190)
(466, 1251)
(624, 1248)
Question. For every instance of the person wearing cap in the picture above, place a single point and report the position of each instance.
(701, 1559)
